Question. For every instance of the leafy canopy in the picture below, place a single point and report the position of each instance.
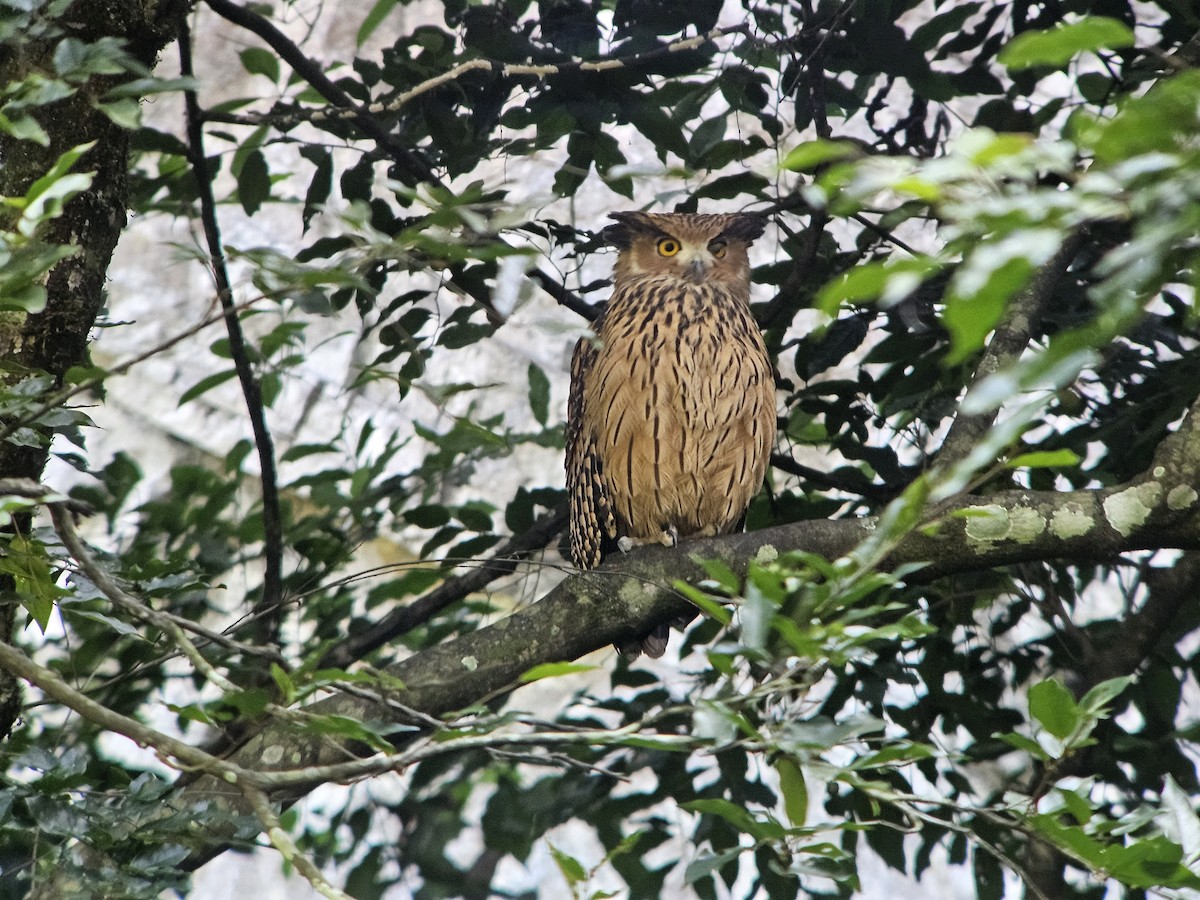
(979, 296)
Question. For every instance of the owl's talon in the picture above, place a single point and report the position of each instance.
(625, 544)
(669, 536)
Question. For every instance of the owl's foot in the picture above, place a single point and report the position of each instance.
(668, 538)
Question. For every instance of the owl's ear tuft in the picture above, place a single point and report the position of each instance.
(745, 227)
(628, 225)
(616, 236)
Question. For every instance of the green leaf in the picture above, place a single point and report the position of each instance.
(353, 730)
(283, 680)
(652, 122)
(1095, 701)
(572, 870)
(122, 628)
(539, 393)
(24, 128)
(55, 817)
(269, 387)
(76, 59)
(193, 713)
(716, 722)
(813, 154)
(260, 61)
(904, 752)
(709, 864)
(719, 572)
(1055, 47)
(794, 790)
(1021, 742)
(552, 670)
(1165, 118)
(47, 195)
(125, 112)
(206, 384)
(1180, 807)
(254, 182)
(1077, 805)
(29, 298)
(714, 609)
(1071, 838)
(760, 829)
(1054, 708)
(60, 168)
(889, 281)
(627, 844)
(757, 613)
(982, 286)
(430, 516)
(321, 185)
(1149, 863)
(374, 18)
(1045, 459)
(33, 580)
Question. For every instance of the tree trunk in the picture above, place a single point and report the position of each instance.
(54, 340)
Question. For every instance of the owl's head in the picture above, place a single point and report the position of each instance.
(695, 247)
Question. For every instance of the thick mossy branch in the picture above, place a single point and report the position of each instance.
(627, 596)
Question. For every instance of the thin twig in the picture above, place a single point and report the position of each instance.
(425, 749)
(107, 585)
(272, 588)
(282, 841)
(859, 486)
(58, 398)
(801, 266)
(53, 686)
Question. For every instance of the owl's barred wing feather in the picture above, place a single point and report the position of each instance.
(592, 526)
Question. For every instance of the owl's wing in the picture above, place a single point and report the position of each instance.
(593, 528)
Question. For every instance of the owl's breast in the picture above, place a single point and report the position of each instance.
(685, 410)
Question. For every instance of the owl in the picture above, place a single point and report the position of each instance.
(671, 415)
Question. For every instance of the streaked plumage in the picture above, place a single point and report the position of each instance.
(671, 415)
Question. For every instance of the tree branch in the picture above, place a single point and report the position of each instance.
(565, 297)
(272, 589)
(50, 684)
(309, 70)
(1009, 341)
(415, 168)
(404, 619)
(627, 596)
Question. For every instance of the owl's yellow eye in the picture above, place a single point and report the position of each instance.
(717, 249)
(668, 247)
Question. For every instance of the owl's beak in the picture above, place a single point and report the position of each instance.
(696, 269)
